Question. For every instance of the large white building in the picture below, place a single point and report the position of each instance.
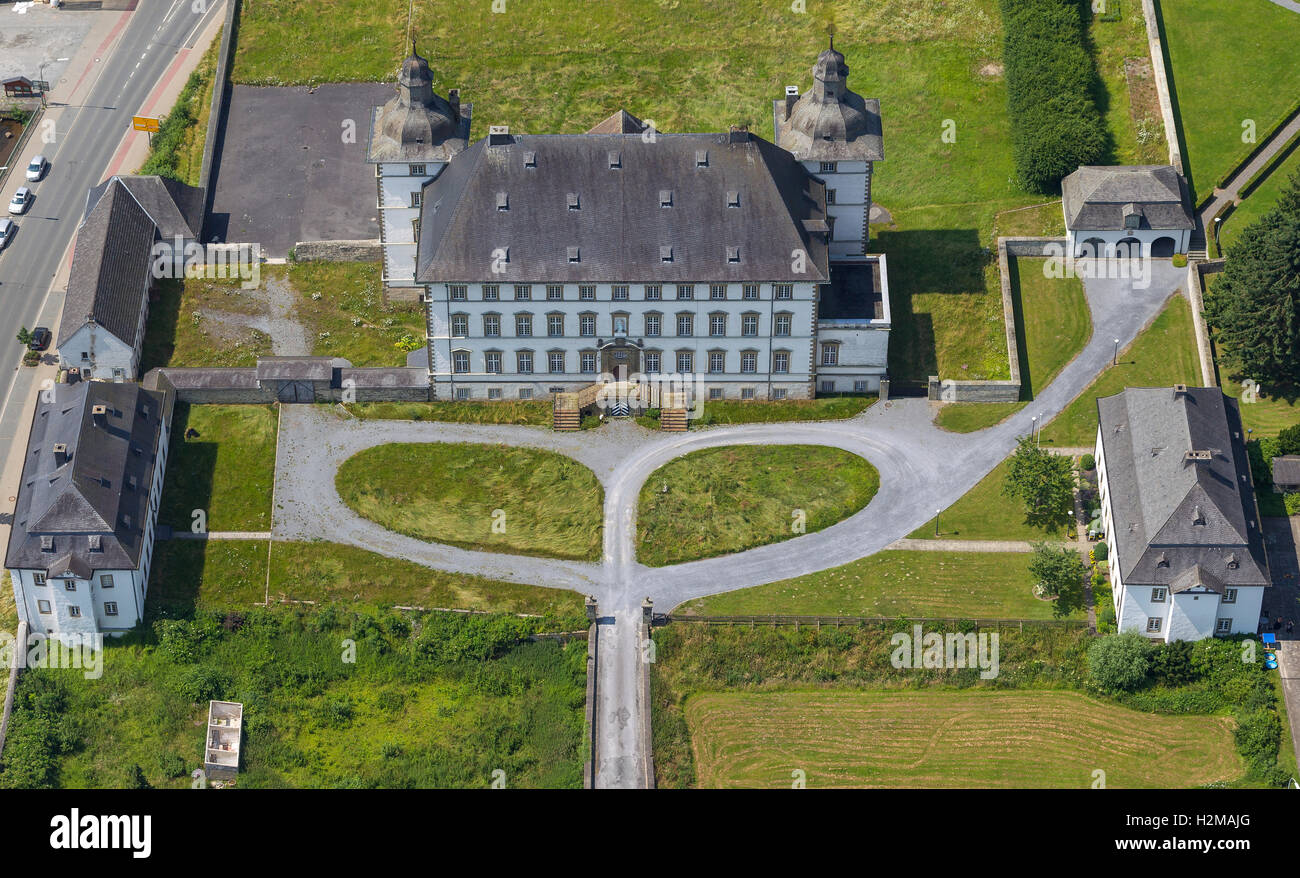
(1187, 557)
(82, 537)
(549, 260)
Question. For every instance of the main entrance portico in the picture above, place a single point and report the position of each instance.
(620, 358)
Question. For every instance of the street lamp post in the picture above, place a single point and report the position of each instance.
(1114, 360)
(936, 521)
(1033, 428)
(1217, 248)
(41, 76)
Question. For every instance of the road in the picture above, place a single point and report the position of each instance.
(87, 135)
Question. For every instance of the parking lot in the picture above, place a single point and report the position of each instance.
(285, 172)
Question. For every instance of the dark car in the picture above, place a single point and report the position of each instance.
(40, 339)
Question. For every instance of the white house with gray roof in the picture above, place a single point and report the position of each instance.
(549, 260)
(81, 542)
(1187, 557)
(1129, 209)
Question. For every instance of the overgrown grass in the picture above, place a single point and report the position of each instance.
(423, 700)
(1230, 65)
(227, 470)
(966, 585)
(179, 333)
(342, 306)
(487, 497)
(724, 500)
(831, 408)
(1164, 354)
(986, 513)
(535, 413)
(1131, 110)
(177, 148)
(1038, 221)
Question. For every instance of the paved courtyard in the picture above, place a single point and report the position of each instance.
(284, 171)
(33, 32)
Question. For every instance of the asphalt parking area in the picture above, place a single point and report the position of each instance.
(284, 171)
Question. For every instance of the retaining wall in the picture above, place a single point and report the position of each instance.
(1196, 272)
(216, 115)
(240, 386)
(338, 251)
(20, 649)
(1161, 75)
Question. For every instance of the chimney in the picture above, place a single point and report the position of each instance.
(453, 98)
(60, 453)
(738, 134)
(100, 414)
(791, 95)
(1180, 391)
(1198, 517)
(499, 135)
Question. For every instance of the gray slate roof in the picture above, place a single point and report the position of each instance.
(619, 226)
(829, 122)
(295, 368)
(1180, 521)
(111, 267)
(87, 490)
(417, 124)
(1286, 469)
(1096, 197)
(175, 208)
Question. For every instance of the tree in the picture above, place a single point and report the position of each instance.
(24, 336)
(1254, 306)
(1042, 481)
(1059, 573)
(1120, 662)
(1288, 441)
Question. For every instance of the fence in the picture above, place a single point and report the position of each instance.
(15, 157)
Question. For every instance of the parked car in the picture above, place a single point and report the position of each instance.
(36, 169)
(7, 228)
(22, 198)
(40, 339)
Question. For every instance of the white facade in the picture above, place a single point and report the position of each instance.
(398, 200)
(1084, 242)
(99, 353)
(848, 204)
(759, 347)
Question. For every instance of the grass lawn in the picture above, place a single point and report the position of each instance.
(950, 739)
(8, 609)
(228, 470)
(934, 585)
(487, 497)
(724, 500)
(231, 575)
(1161, 356)
(1037, 221)
(535, 413)
(342, 306)
(1262, 198)
(1128, 101)
(986, 513)
(417, 706)
(1230, 63)
(181, 329)
(830, 408)
(967, 417)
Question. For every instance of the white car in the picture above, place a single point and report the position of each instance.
(36, 169)
(7, 227)
(22, 198)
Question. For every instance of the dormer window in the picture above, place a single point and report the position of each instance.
(701, 158)
(733, 255)
(615, 160)
(96, 544)
(733, 198)
(1232, 561)
(503, 201)
(47, 543)
(572, 200)
(1162, 560)
(530, 159)
(665, 198)
(665, 254)
(573, 254)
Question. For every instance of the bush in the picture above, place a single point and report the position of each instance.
(1087, 463)
(1180, 260)
(1055, 123)
(1119, 663)
(1100, 552)
(1288, 441)
(32, 358)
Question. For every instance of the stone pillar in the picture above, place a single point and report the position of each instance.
(591, 608)
(647, 610)
(884, 390)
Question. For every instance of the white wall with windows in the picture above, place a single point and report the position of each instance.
(99, 353)
(399, 185)
(848, 204)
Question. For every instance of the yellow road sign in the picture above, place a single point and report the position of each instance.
(144, 123)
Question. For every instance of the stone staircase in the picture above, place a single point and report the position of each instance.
(672, 420)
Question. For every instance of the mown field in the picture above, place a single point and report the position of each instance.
(985, 512)
(723, 500)
(227, 470)
(493, 498)
(950, 739)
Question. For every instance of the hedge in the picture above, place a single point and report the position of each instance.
(1056, 125)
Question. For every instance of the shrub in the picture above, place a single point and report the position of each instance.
(1087, 463)
(1055, 123)
(1100, 552)
(170, 765)
(1119, 663)
(31, 358)
(1180, 260)
(1288, 441)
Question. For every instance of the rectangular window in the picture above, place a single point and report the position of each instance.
(653, 292)
(783, 291)
(685, 326)
(555, 292)
(492, 359)
(778, 393)
(1223, 626)
(1229, 595)
(781, 325)
(415, 199)
(1158, 595)
(652, 325)
(652, 363)
(70, 585)
(717, 362)
(43, 606)
(106, 580)
(1153, 625)
(587, 293)
(462, 393)
(746, 393)
(524, 363)
(417, 170)
(587, 325)
(859, 387)
(588, 361)
(826, 387)
(749, 362)
(828, 167)
(830, 196)
(74, 612)
(460, 362)
(459, 325)
(555, 325)
(717, 291)
(715, 393)
(749, 325)
(457, 292)
(525, 393)
(110, 608)
(491, 325)
(781, 362)
(749, 291)
(523, 292)
(555, 361)
(491, 292)
(619, 293)
(494, 393)
(38, 578)
(523, 325)
(830, 355)
(686, 291)
(717, 324)
(685, 362)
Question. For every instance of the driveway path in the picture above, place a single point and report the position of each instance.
(1231, 192)
(922, 468)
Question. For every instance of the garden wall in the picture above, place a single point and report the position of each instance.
(338, 251)
(241, 386)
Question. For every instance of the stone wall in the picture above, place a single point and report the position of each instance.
(1162, 82)
(338, 251)
(241, 387)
